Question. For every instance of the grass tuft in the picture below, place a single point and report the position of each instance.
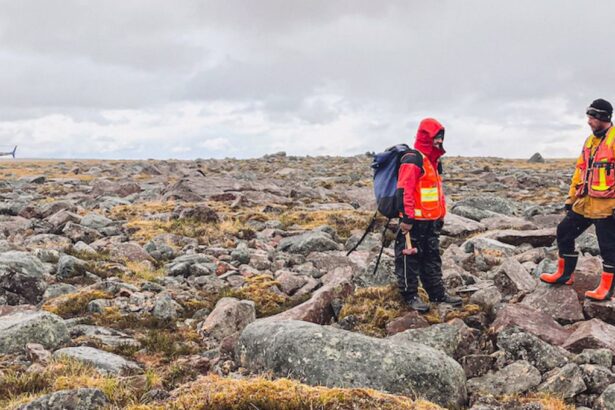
(373, 307)
(214, 392)
(74, 304)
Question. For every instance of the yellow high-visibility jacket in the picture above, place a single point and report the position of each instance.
(594, 208)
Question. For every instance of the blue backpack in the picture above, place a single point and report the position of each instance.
(386, 168)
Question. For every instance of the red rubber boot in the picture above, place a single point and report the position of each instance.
(565, 271)
(604, 291)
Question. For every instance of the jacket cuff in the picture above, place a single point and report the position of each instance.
(407, 220)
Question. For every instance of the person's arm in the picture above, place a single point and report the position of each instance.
(410, 171)
(577, 179)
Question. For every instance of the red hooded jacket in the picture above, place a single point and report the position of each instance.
(411, 168)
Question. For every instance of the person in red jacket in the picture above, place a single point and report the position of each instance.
(422, 207)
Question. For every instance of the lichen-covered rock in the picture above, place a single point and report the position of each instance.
(321, 355)
(230, 316)
(315, 241)
(523, 346)
(597, 378)
(105, 362)
(566, 382)
(77, 399)
(606, 401)
(455, 339)
(166, 308)
(518, 377)
(600, 357)
(70, 267)
(19, 328)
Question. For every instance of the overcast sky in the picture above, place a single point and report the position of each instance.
(240, 78)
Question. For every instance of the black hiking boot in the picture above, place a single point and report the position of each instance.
(417, 304)
(454, 301)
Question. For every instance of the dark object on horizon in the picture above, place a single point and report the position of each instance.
(536, 158)
(9, 153)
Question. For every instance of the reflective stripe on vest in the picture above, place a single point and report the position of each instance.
(600, 176)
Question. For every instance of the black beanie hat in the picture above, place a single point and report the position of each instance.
(600, 109)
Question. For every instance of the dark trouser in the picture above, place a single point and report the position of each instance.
(574, 225)
(425, 264)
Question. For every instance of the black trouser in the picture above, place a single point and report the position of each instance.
(425, 264)
(573, 225)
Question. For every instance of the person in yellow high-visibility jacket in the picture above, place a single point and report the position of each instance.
(591, 201)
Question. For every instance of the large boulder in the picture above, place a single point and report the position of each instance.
(325, 356)
(536, 158)
(22, 327)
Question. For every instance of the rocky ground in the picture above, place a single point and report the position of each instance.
(224, 284)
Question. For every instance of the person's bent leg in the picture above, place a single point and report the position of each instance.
(431, 274)
(568, 230)
(605, 231)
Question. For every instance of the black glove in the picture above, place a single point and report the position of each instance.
(568, 207)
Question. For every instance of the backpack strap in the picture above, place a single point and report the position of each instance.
(369, 227)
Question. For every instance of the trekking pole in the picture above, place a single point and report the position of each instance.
(409, 249)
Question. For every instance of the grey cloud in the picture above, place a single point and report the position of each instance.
(525, 66)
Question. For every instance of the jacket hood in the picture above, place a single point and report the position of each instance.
(428, 129)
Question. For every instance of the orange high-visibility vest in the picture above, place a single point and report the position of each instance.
(428, 194)
(599, 172)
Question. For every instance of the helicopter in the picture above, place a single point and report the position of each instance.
(9, 153)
